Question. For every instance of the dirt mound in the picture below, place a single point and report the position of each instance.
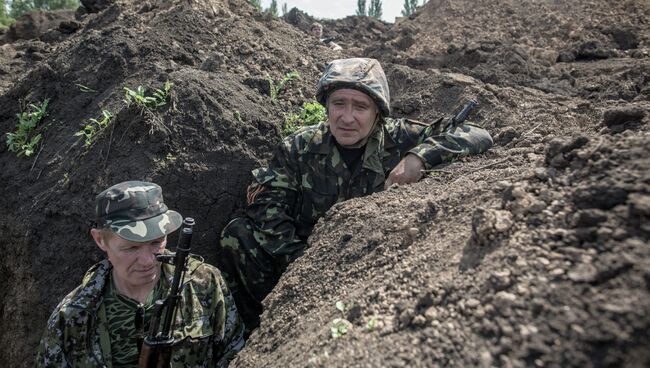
(500, 42)
(352, 33)
(30, 40)
(200, 146)
(41, 24)
(533, 254)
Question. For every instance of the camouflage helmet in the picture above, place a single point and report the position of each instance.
(135, 211)
(363, 74)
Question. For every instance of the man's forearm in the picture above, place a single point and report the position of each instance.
(466, 139)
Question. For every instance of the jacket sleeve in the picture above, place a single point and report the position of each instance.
(50, 350)
(441, 142)
(272, 199)
(233, 329)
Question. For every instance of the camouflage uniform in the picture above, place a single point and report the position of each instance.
(307, 175)
(208, 326)
(85, 331)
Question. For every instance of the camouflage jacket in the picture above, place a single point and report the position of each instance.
(307, 175)
(211, 333)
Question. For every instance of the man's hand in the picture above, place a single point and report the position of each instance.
(407, 171)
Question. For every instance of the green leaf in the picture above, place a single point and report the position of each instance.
(341, 306)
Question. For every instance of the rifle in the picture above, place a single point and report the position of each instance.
(462, 115)
(156, 351)
(328, 40)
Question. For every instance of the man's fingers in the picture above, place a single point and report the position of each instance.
(388, 183)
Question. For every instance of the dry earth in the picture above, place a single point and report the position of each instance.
(533, 254)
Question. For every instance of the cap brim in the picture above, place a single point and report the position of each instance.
(149, 229)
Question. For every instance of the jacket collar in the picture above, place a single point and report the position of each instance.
(322, 142)
(90, 292)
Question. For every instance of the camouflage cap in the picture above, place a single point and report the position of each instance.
(363, 74)
(135, 211)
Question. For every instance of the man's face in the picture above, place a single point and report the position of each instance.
(317, 32)
(351, 115)
(134, 263)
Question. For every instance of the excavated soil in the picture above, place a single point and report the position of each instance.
(532, 254)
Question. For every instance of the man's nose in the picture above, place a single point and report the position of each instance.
(147, 256)
(348, 114)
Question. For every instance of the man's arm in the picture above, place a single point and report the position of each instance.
(272, 199)
(437, 143)
(50, 350)
(466, 139)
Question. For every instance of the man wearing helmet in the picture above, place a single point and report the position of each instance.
(358, 151)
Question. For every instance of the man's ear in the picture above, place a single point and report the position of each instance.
(99, 239)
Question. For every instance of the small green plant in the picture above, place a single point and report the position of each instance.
(372, 324)
(139, 98)
(94, 127)
(277, 87)
(311, 113)
(22, 142)
(85, 89)
(342, 307)
(340, 326)
(237, 116)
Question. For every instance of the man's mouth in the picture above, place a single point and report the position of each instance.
(146, 270)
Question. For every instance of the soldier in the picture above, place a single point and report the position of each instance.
(358, 151)
(102, 322)
(317, 31)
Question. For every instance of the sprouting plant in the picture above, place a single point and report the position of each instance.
(237, 116)
(372, 324)
(139, 98)
(342, 306)
(22, 142)
(85, 89)
(94, 127)
(311, 113)
(340, 326)
(277, 87)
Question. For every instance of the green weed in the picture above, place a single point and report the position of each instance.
(311, 113)
(22, 142)
(139, 98)
(237, 116)
(372, 324)
(340, 326)
(94, 127)
(85, 89)
(277, 87)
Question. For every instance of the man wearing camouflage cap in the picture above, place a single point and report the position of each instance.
(358, 151)
(102, 322)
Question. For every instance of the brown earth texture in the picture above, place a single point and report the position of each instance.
(535, 253)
